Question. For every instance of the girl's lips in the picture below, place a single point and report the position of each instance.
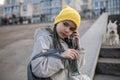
(63, 35)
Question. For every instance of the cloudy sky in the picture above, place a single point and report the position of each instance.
(1, 1)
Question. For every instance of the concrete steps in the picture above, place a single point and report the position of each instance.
(106, 77)
(110, 53)
(108, 65)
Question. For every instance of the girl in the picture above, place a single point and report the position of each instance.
(67, 65)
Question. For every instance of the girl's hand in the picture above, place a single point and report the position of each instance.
(76, 35)
(70, 54)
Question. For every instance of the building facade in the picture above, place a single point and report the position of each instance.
(36, 10)
(113, 7)
(12, 7)
(1, 13)
(26, 10)
(49, 9)
(41, 10)
(16, 7)
(110, 6)
(1, 10)
(46, 10)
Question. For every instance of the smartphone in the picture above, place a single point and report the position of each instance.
(73, 42)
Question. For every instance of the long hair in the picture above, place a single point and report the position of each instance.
(56, 39)
(72, 64)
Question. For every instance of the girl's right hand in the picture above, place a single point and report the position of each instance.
(70, 54)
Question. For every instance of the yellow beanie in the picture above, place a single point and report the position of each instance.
(68, 13)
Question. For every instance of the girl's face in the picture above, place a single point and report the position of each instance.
(65, 28)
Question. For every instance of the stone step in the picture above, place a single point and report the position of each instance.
(110, 53)
(108, 66)
(106, 77)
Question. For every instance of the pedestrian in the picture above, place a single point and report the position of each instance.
(20, 20)
(57, 54)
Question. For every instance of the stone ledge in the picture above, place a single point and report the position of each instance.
(91, 41)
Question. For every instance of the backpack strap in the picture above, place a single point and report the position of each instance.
(50, 53)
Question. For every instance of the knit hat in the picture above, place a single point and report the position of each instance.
(68, 13)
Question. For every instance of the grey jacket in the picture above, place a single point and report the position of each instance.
(50, 66)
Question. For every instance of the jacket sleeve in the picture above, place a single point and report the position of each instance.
(44, 66)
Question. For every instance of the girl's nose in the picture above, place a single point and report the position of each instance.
(67, 30)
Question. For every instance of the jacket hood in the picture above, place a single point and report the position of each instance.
(41, 32)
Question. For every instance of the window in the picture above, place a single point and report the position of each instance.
(84, 7)
(109, 4)
(8, 9)
(25, 8)
(55, 10)
(56, 3)
(101, 4)
(118, 4)
(45, 11)
(111, 1)
(8, 1)
(118, 12)
(114, 4)
(17, 9)
(96, 5)
(45, 3)
(13, 1)
(68, 1)
(35, 5)
(85, 1)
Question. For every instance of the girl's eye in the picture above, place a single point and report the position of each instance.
(65, 24)
(72, 29)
